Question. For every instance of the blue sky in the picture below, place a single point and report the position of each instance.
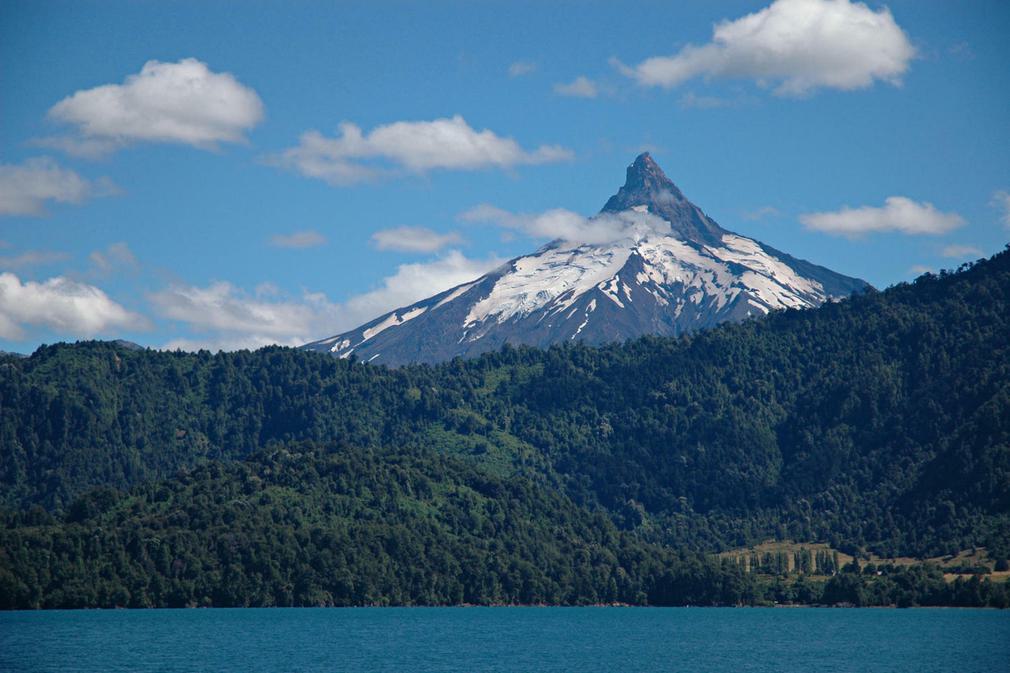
(157, 182)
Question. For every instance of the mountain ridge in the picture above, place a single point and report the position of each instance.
(666, 269)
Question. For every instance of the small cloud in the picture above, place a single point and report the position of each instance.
(651, 148)
(569, 227)
(299, 239)
(761, 213)
(267, 289)
(184, 102)
(227, 343)
(32, 258)
(416, 147)
(899, 214)
(1001, 201)
(580, 87)
(413, 239)
(962, 51)
(522, 68)
(692, 100)
(797, 45)
(62, 305)
(25, 188)
(960, 251)
(83, 148)
(919, 269)
(116, 256)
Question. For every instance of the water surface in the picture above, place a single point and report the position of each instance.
(486, 640)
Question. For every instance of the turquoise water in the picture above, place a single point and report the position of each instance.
(484, 640)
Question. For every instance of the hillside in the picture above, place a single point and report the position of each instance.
(877, 424)
(306, 526)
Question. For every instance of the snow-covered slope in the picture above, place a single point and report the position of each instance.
(669, 269)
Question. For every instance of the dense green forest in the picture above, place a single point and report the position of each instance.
(306, 525)
(568, 475)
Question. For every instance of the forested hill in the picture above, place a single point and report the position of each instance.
(881, 422)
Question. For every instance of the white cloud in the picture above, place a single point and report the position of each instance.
(413, 282)
(919, 269)
(899, 214)
(182, 102)
(570, 227)
(961, 51)
(761, 213)
(65, 306)
(417, 147)
(32, 258)
(116, 256)
(1001, 200)
(230, 314)
(299, 239)
(580, 87)
(795, 45)
(413, 239)
(955, 251)
(227, 342)
(232, 318)
(25, 188)
(692, 100)
(521, 68)
(85, 148)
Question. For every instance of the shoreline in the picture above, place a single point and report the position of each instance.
(462, 606)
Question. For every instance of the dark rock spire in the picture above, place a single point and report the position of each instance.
(647, 185)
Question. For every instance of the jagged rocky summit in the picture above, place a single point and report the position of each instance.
(656, 264)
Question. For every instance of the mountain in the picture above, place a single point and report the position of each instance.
(656, 264)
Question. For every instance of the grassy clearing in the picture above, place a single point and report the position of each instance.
(977, 557)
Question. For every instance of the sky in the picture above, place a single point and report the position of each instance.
(232, 174)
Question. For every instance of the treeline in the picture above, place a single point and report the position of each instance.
(907, 586)
(308, 526)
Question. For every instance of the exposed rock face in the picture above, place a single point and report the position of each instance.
(670, 269)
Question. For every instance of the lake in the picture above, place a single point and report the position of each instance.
(485, 640)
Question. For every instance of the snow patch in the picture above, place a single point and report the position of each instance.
(455, 293)
(392, 320)
(413, 313)
(611, 289)
(554, 274)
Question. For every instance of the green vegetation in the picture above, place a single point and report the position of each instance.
(307, 526)
(572, 475)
